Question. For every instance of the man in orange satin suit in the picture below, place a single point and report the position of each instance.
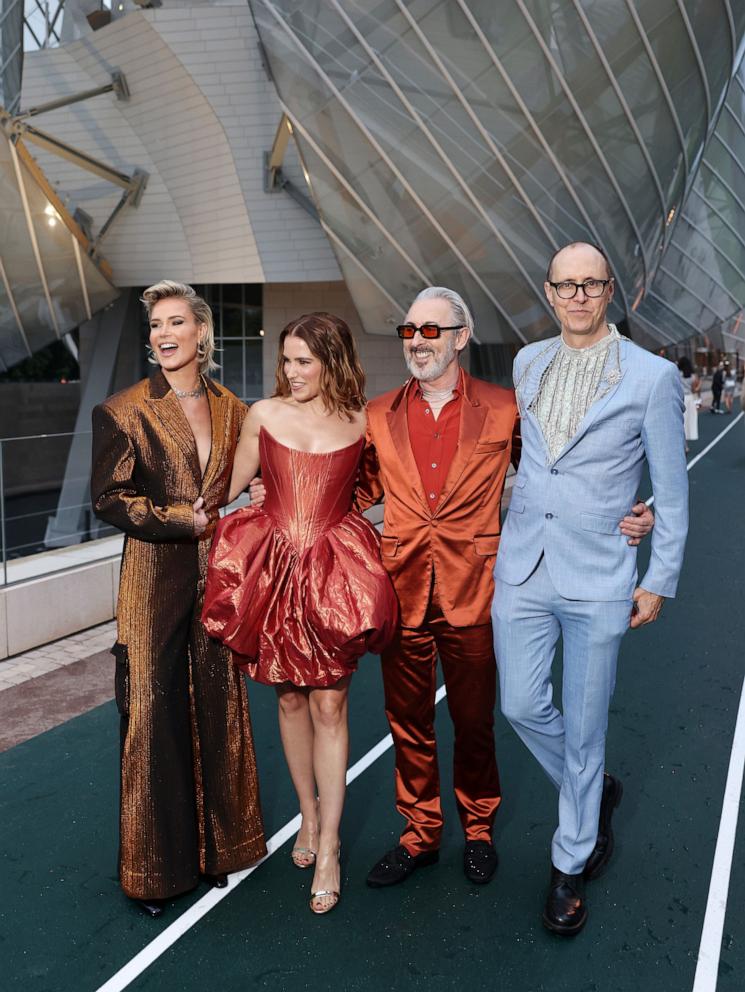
(438, 450)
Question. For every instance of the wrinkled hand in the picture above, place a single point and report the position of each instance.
(256, 491)
(648, 606)
(637, 524)
(200, 517)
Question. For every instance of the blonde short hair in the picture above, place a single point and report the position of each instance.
(167, 289)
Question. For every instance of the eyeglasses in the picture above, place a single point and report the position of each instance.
(407, 331)
(590, 287)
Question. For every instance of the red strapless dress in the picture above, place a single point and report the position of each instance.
(296, 588)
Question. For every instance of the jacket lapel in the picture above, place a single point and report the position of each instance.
(165, 405)
(527, 390)
(608, 386)
(219, 420)
(399, 430)
(472, 417)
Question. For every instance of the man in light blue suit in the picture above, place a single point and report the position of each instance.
(595, 407)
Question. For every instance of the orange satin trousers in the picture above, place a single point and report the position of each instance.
(409, 679)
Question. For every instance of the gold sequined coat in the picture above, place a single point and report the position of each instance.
(189, 789)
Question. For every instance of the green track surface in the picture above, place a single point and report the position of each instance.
(64, 924)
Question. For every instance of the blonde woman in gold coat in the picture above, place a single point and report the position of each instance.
(162, 457)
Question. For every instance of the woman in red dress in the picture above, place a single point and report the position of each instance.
(295, 587)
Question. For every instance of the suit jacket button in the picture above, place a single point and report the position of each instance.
(549, 516)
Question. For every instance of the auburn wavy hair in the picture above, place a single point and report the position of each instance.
(329, 339)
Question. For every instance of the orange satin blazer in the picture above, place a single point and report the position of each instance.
(460, 538)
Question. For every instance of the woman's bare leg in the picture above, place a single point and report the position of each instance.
(328, 711)
(296, 731)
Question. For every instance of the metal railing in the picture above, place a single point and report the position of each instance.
(43, 507)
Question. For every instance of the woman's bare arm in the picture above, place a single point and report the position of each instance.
(246, 462)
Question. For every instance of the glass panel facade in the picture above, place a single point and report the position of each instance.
(237, 312)
(461, 142)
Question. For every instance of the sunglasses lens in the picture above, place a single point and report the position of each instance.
(430, 330)
(406, 330)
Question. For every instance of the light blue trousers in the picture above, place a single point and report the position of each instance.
(527, 621)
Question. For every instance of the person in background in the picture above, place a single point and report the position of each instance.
(162, 456)
(691, 392)
(717, 385)
(730, 381)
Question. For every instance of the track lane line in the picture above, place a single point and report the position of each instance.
(152, 951)
(710, 948)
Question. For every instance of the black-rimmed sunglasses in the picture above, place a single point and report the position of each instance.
(427, 330)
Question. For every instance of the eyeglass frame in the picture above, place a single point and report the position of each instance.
(427, 323)
(580, 285)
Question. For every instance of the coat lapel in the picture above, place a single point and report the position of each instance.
(608, 387)
(472, 417)
(165, 405)
(219, 419)
(399, 430)
(527, 390)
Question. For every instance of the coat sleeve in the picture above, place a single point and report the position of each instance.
(664, 446)
(369, 485)
(114, 495)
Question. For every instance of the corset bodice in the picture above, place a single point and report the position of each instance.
(307, 493)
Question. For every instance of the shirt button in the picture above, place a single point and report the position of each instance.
(432, 496)
(549, 516)
(437, 437)
(426, 412)
(554, 471)
(434, 464)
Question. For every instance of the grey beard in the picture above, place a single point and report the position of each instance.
(436, 370)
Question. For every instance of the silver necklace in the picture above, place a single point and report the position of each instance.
(437, 395)
(189, 393)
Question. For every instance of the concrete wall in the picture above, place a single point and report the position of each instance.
(56, 605)
(381, 356)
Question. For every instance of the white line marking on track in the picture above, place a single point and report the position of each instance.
(707, 968)
(707, 449)
(152, 951)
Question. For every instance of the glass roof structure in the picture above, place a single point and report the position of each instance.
(48, 283)
(460, 142)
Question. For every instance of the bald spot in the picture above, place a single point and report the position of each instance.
(575, 258)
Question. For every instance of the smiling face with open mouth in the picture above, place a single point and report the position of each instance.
(175, 335)
(428, 359)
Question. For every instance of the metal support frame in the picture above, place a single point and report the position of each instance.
(71, 523)
(275, 180)
(19, 131)
(117, 86)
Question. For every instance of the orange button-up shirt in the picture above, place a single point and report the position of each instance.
(433, 441)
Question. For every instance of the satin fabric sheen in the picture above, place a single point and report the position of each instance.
(409, 667)
(295, 588)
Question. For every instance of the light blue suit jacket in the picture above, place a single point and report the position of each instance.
(569, 509)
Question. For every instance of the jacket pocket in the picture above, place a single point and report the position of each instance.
(517, 504)
(388, 546)
(487, 447)
(121, 678)
(599, 524)
(486, 545)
